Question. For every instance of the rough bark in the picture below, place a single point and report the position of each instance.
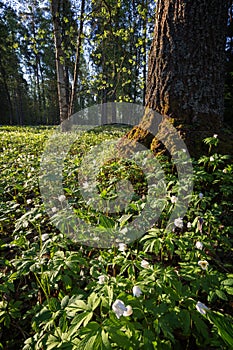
(185, 79)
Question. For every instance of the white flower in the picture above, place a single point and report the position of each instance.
(101, 279)
(201, 308)
(174, 199)
(178, 222)
(44, 237)
(85, 185)
(62, 198)
(123, 230)
(211, 159)
(120, 309)
(128, 311)
(144, 264)
(199, 245)
(224, 171)
(201, 195)
(54, 209)
(122, 247)
(136, 291)
(189, 225)
(215, 136)
(204, 264)
(29, 201)
(25, 224)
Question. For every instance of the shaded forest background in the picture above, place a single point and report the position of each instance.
(115, 43)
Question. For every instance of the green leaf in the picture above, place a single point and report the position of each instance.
(221, 294)
(149, 339)
(109, 290)
(116, 335)
(124, 218)
(65, 301)
(83, 318)
(185, 321)
(106, 222)
(105, 341)
(63, 324)
(224, 324)
(229, 290)
(78, 305)
(92, 338)
(67, 281)
(200, 325)
(52, 342)
(93, 301)
(43, 315)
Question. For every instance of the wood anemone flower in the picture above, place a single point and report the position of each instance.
(137, 291)
(202, 308)
(145, 264)
(120, 309)
(204, 264)
(199, 245)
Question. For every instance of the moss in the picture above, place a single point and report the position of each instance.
(153, 128)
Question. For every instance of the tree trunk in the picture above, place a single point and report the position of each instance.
(185, 78)
(3, 72)
(144, 28)
(60, 63)
(77, 59)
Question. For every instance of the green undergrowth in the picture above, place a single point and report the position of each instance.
(58, 293)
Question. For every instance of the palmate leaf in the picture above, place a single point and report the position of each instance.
(184, 317)
(80, 319)
(93, 301)
(229, 290)
(105, 344)
(109, 292)
(88, 342)
(78, 305)
(106, 222)
(52, 342)
(56, 343)
(112, 326)
(42, 316)
(224, 325)
(94, 338)
(200, 325)
(149, 339)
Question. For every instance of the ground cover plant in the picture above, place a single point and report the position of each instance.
(168, 290)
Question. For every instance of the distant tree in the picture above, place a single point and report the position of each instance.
(119, 48)
(77, 60)
(185, 79)
(13, 92)
(36, 94)
(64, 30)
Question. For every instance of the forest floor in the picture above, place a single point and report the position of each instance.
(73, 272)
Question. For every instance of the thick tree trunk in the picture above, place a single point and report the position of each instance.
(186, 67)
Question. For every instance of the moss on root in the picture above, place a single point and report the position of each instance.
(153, 128)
